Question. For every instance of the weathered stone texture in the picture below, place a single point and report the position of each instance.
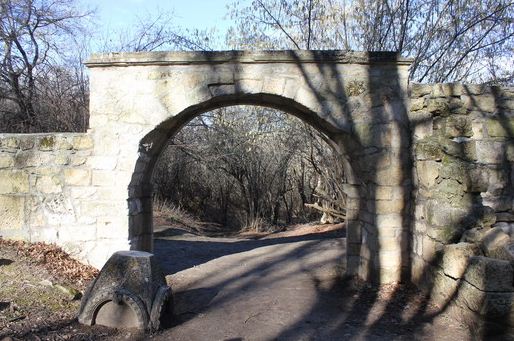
(463, 187)
(429, 167)
(44, 180)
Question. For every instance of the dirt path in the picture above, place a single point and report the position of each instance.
(285, 287)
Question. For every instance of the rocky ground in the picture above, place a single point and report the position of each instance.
(282, 286)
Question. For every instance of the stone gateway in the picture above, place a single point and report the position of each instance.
(429, 167)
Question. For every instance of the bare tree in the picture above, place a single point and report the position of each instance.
(155, 31)
(34, 35)
(450, 40)
(246, 166)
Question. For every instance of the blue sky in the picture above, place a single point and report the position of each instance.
(200, 14)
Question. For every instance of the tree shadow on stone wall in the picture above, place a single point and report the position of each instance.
(359, 318)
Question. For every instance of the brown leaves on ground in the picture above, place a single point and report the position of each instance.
(55, 260)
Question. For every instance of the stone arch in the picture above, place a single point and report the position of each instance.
(358, 99)
(140, 189)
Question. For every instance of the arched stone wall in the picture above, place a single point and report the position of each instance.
(430, 172)
(138, 100)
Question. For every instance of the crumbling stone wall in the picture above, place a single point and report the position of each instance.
(462, 250)
(48, 193)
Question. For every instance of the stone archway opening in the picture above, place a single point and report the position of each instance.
(247, 168)
(257, 110)
(358, 100)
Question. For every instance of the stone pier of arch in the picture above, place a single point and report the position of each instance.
(425, 163)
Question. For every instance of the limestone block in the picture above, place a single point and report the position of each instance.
(498, 203)
(9, 142)
(417, 244)
(494, 239)
(12, 212)
(477, 127)
(97, 208)
(36, 215)
(440, 214)
(486, 216)
(423, 129)
(500, 128)
(62, 159)
(446, 234)
(508, 228)
(456, 257)
(6, 160)
(419, 90)
(110, 142)
(470, 297)
(510, 152)
(352, 191)
(417, 104)
(49, 184)
(83, 142)
(114, 193)
(474, 235)
(428, 172)
(249, 86)
(444, 289)
(386, 206)
(354, 231)
(103, 178)
(47, 234)
(33, 158)
(76, 233)
(446, 90)
(394, 175)
(78, 160)
(390, 243)
(429, 149)
(476, 89)
(391, 259)
(386, 192)
(111, 227)
(493, 306)
(505, 252)
(13, 181)
(47, 143)
(129, 292)
(77, 176)
(457, 125)
(83, 192)
(63, 143)
(489, 274)
(393, 220)
(479, 179)
(438, 106)
(59, 209)
(103, 162)
(485, 103)
(432, 249)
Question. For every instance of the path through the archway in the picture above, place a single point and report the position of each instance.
(282, 287)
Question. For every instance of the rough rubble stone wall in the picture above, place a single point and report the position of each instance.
(47, 193)
(462, 251)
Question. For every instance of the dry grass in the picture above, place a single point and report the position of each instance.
(165, 212)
